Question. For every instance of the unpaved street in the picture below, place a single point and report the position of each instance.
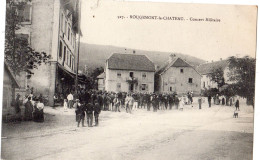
(210, 133)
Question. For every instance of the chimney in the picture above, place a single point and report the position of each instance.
(133, 51)
(171, 57)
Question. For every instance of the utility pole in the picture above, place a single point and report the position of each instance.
(79, 33)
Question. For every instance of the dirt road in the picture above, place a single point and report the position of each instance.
(210, 133)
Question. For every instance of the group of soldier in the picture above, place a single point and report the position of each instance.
(90, 103)
(110, 101)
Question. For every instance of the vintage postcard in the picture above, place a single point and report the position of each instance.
(121, 80)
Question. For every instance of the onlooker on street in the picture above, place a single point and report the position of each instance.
(97, 110)
(89, 110)
(200, 101)
(65, 105)
(70, 100)
(38, 114)
(237, 105)
(28, 110)
(209, 100)
(80, 112)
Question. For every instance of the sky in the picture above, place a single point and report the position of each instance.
(233, 35)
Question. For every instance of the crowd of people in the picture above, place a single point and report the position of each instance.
(90, 103)
(33, 108)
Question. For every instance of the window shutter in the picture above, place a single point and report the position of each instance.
(27, 13)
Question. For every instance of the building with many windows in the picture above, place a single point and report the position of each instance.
(51, 27)
(129, 73)
(178, 76)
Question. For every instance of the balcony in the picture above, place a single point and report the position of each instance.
(132, 80)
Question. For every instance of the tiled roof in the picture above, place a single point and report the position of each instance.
(209, 67)
(175, 62)
(101, 76)
(132, 62)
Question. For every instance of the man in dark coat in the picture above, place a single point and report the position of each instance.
(177, 101)
(89, 111)
(97, 110)
(170, 98)
(155, 102)
(237, 105)
(209, 100)
(28, 110)
(80, 112)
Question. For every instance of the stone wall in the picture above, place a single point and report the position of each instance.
(179, 82)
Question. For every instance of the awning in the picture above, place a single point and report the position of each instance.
(81, 78)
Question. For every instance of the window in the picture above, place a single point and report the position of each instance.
(70, 60)
(66, 24)
(65, 53)
(25, 14)
(118, 75)
(170, 88)
(68, 33)
(72, 65)
(144, 87)
(61, 22)
(204, 85)
(131, 74)
(23, 37)
(68, 57)
(181, 70)
(118, 86)
(144, 75)
(190, 80)
(60, 52)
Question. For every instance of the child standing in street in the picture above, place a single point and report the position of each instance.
(65, 105)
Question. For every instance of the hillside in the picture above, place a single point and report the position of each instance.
(95, 55)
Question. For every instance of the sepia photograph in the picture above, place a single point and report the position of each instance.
(124, 80)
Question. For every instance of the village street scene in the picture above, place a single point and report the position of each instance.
(75, 89)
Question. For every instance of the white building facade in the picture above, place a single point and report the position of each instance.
(178, 76)
(51, 27)
(129, 73)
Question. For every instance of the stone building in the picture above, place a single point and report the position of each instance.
(51, 27)
(101, 81)
(207, 68)
(129, 73)
(178, 76)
